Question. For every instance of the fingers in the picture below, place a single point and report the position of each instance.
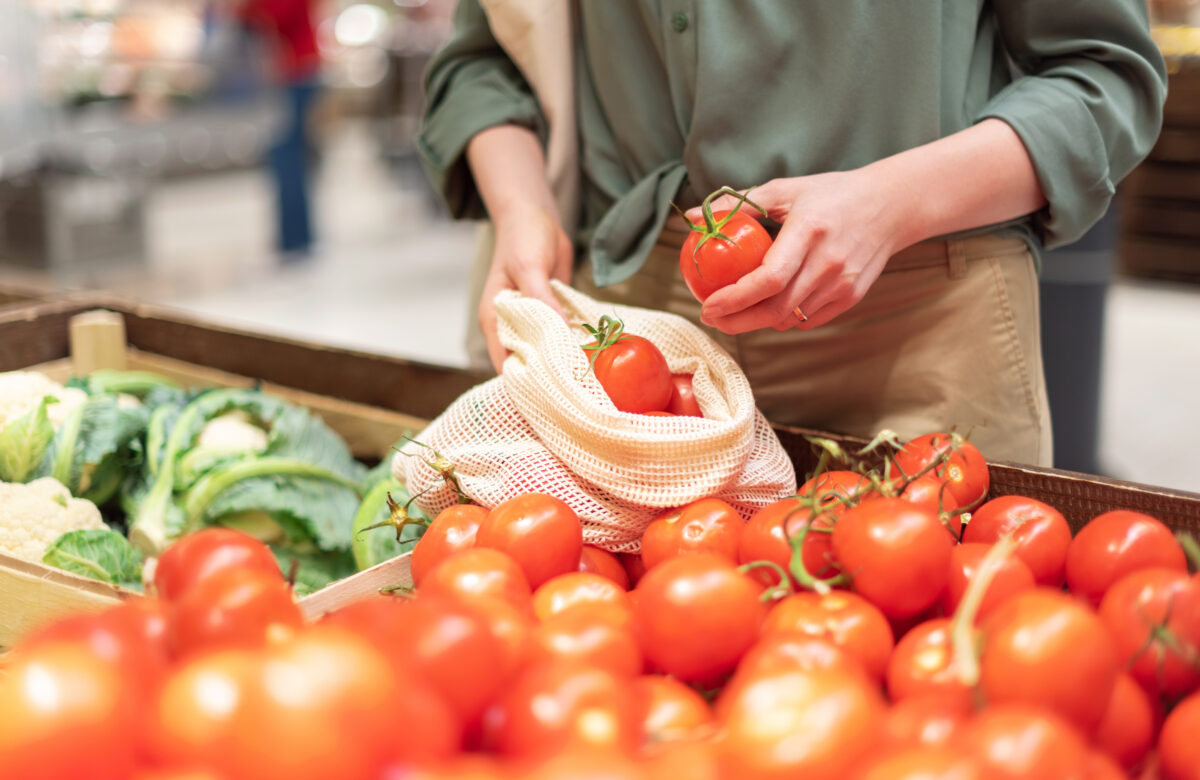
(773, 198)
(783, 261)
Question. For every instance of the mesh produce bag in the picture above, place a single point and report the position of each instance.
(546, 425)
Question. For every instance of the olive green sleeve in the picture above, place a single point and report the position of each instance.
(471, 85)
(1089, 103)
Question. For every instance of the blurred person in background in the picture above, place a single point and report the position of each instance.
(288, 26)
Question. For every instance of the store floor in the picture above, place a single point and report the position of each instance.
(390, 274)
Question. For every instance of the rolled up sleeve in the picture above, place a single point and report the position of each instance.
(471, 85)
(1088, 105)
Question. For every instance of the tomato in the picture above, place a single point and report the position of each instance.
(929, 720)
(897, 554)
(1153, 618)
(452, 530)
(539, 531)
(632, 562)
(844, 619)
(586, 763)
(694, 760)
(791, 723)
(1040, 530)
(1024, 742)
(568, 591)
(670, 710)
(327, 704)
(512, 626)
(683, 397)
(838, 490)
(1178, 747)
(923, 664)
(931, 492)
(64, 714)
(695, 615)
(597, 560)
(1114, 544)
(586, 636)
(1130, 723)
(1101, 766)
(965, 471)
(630, 368)
(1032, 654)
(940, 762)
(708, 525)
(723, 248)
(1012, 576)
(478, 573)
(198, 556)
(784, 652)
(555, 705)
(235, 608)
(764, 538)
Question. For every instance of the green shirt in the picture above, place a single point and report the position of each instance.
(676, 98)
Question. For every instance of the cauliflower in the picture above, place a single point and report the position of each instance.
(22, 391)
(232, 433)
(35, 514)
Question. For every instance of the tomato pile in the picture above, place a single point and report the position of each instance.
(884, 623)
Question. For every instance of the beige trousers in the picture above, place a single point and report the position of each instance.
(945, 344)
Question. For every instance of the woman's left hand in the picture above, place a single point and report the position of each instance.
(839, 229)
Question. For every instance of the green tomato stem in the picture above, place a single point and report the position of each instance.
(962, 625)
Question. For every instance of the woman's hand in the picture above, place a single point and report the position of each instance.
(839, 229)
(531, 248)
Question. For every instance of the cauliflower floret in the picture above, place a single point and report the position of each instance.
(22, 391)
(231, 434)
(33, 515)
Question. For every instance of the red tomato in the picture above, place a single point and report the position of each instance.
(709, 525)
(929, 720)
(452, 530)
(923, 664)
(630, 368)
(1101, 766)
(941, 762)
(1130, 723)
(719, 253)
(64, 714)
(964, 471)
(683, 397)
(1024, 742)
(1013, 576)
(539, 531)
(1178, 747)
(554, 706)
(596, 560)
(512, 626)
(844, 619)
(198, 556)
(838, 490)
(585, 635)
(236, 608)
(1153, 618)
(933, 493)
(1114, 544)
(568, 591)
(1040, 530)
(1032, 654)
(764, 538)
(784, 652)
(897, 554)
(479, 573)
(670, 711)
(790, 723)
(695, 615)
(632, 562)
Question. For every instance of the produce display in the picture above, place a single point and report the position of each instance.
(100, 476)
(886, 621)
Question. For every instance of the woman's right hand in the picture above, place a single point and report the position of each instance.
(531, 248)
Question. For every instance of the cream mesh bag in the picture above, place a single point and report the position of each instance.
(546, 425)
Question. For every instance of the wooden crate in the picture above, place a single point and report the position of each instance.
(204, 355)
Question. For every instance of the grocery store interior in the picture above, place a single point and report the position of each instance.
(134, 145)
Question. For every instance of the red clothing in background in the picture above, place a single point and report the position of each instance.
(290, 23)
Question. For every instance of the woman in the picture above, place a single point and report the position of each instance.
(916, 154)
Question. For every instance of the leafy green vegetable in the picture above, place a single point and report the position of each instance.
(23, 442)
(314, 570)
(93, 450)
(99, 553)
(372, 546)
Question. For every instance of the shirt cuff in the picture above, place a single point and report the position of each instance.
(1068, 154)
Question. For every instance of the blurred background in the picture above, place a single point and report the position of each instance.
(159, 149)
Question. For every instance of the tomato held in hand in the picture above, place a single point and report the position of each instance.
(963, 467)
(683, 397)
(1040, 530)
(452, 530)
(198, 556)
(630, 368)
(708, 525)
(539, 531)
(1114, 544)
(722, 248)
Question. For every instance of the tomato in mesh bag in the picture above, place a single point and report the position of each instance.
(630, 368)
